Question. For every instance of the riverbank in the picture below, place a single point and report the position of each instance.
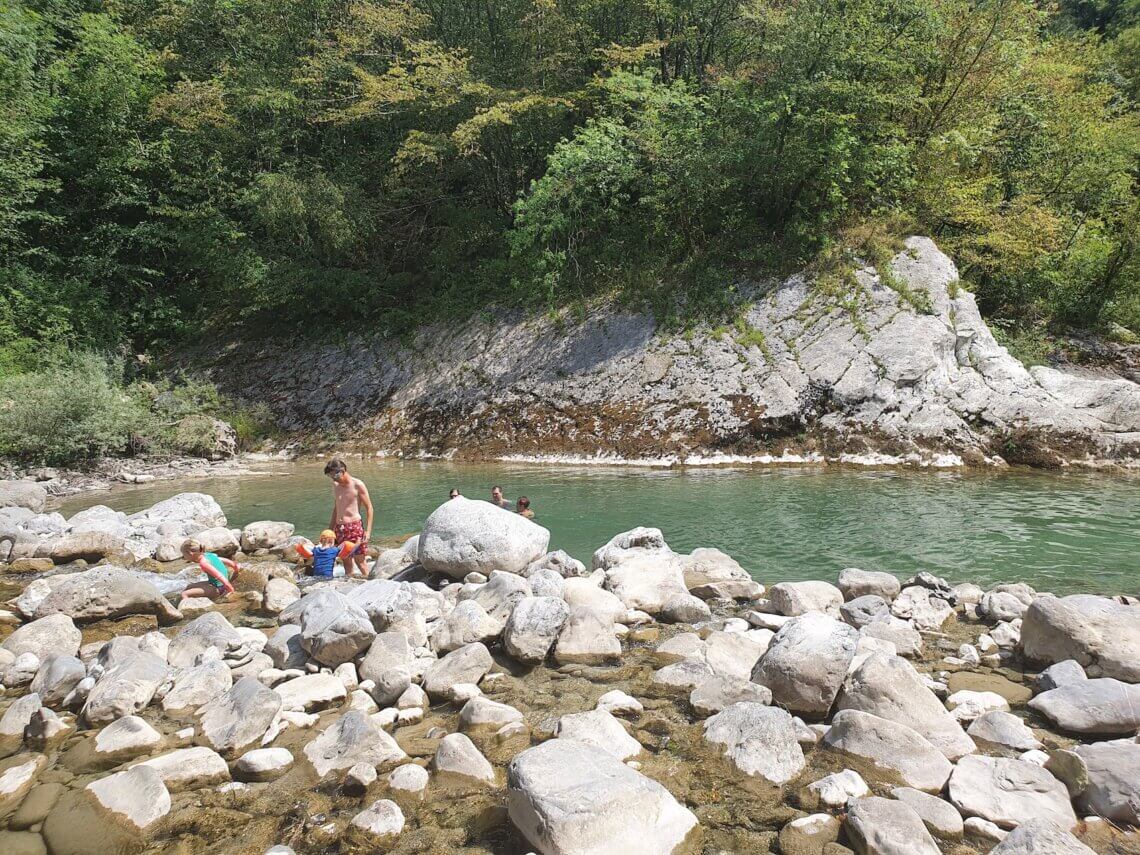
(478, 684)
(906, 370)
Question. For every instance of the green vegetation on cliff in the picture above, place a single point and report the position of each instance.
(168, 166)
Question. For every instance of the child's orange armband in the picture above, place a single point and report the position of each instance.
(347, 548)
(304, 551)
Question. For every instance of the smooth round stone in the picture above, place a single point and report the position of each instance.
(36, 806)
(264, 764)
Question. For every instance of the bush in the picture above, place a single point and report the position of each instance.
(68, 411)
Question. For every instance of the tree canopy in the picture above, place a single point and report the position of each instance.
(173, 165)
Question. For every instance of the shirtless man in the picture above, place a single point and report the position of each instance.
(348, 495)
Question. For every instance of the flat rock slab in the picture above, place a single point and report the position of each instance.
(189, 768)
(1104, 707)
(565, 796)
(1101, 634)
(1113, 789)
(891, 747)
(1007, 792)
(138, 795)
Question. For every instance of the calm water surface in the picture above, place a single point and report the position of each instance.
(1061, 533)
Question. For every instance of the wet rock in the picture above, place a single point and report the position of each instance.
(855, 583)
(890, 688)
(352, 739)
(618, 702)
(35, 807)
(797, 598)
(138, 795)
(835, 790)
(198, 685)
(457, 756)
(758, 740)
(1099, 633)
(806, 663)
(808, 835)
(125, 688)
(409, 778)
(310, 692)
(533, 627)
(17, 778)
(869, 608)
(233, 722)
(189, 768)
(566, 796)
(55, 634)
(1040, 837)
(334, 629)
(1102, 707)
(129, 736)
(464, 536)
(265, 535)
(264, 764)
(56, 678)
(388, 664)
(1113, 770)
(891, 747)
(716, 693)
(599, 728)
(879, 826)
(483, 714)
(709, 573)
(467, 623)
(205, 632)
(1007, 792)
(381, 822)
(940, 817)
(1002, 730)
(468, 664)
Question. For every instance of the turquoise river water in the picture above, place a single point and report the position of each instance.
(1062, 533)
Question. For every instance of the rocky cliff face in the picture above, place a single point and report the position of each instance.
(876, 376)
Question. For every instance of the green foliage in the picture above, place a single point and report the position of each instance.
(171, 167)
(69, 411)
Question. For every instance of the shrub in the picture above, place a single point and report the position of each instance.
(69, 410)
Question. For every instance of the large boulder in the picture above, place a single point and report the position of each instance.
(197, 685)
(238, 719)
(47, 636)
(189, 768)
(806, 662)
(1104, 707)
(198, 509)
(57, 676)
(1101, 634)
(388, 664)
(918, 605)
(891, 747)
(855, 583)
(890, 688)
(1114, 780)
(468, 664)
(23, 494)
(125, 688)
(467, 623)
(1008, 792)
(353, 738)
(96, 594)
(138, 795)
(710, 573)
(208, 631)
(649, 577)
(568, 797)
(588, 635)
(878, 826)
(598, 727)
(333, 628)
(533, 627)
(498, 595)
(87, 546)
(758, 740)
(798, 598)
(465, 536)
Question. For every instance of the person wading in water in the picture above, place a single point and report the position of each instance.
(348, 495)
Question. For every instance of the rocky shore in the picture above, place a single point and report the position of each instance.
(900, 369)
(480, 693)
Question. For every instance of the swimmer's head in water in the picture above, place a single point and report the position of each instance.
(497, 493)
(454, 494)
(523, 503)
(329, 535)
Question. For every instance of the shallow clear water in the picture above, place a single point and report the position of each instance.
(1067, 533)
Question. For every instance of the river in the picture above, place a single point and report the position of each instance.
(1061, 533)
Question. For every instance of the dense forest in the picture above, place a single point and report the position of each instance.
(173, 168)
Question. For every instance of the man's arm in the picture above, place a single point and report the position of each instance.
(367, 502)
(332, 517)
